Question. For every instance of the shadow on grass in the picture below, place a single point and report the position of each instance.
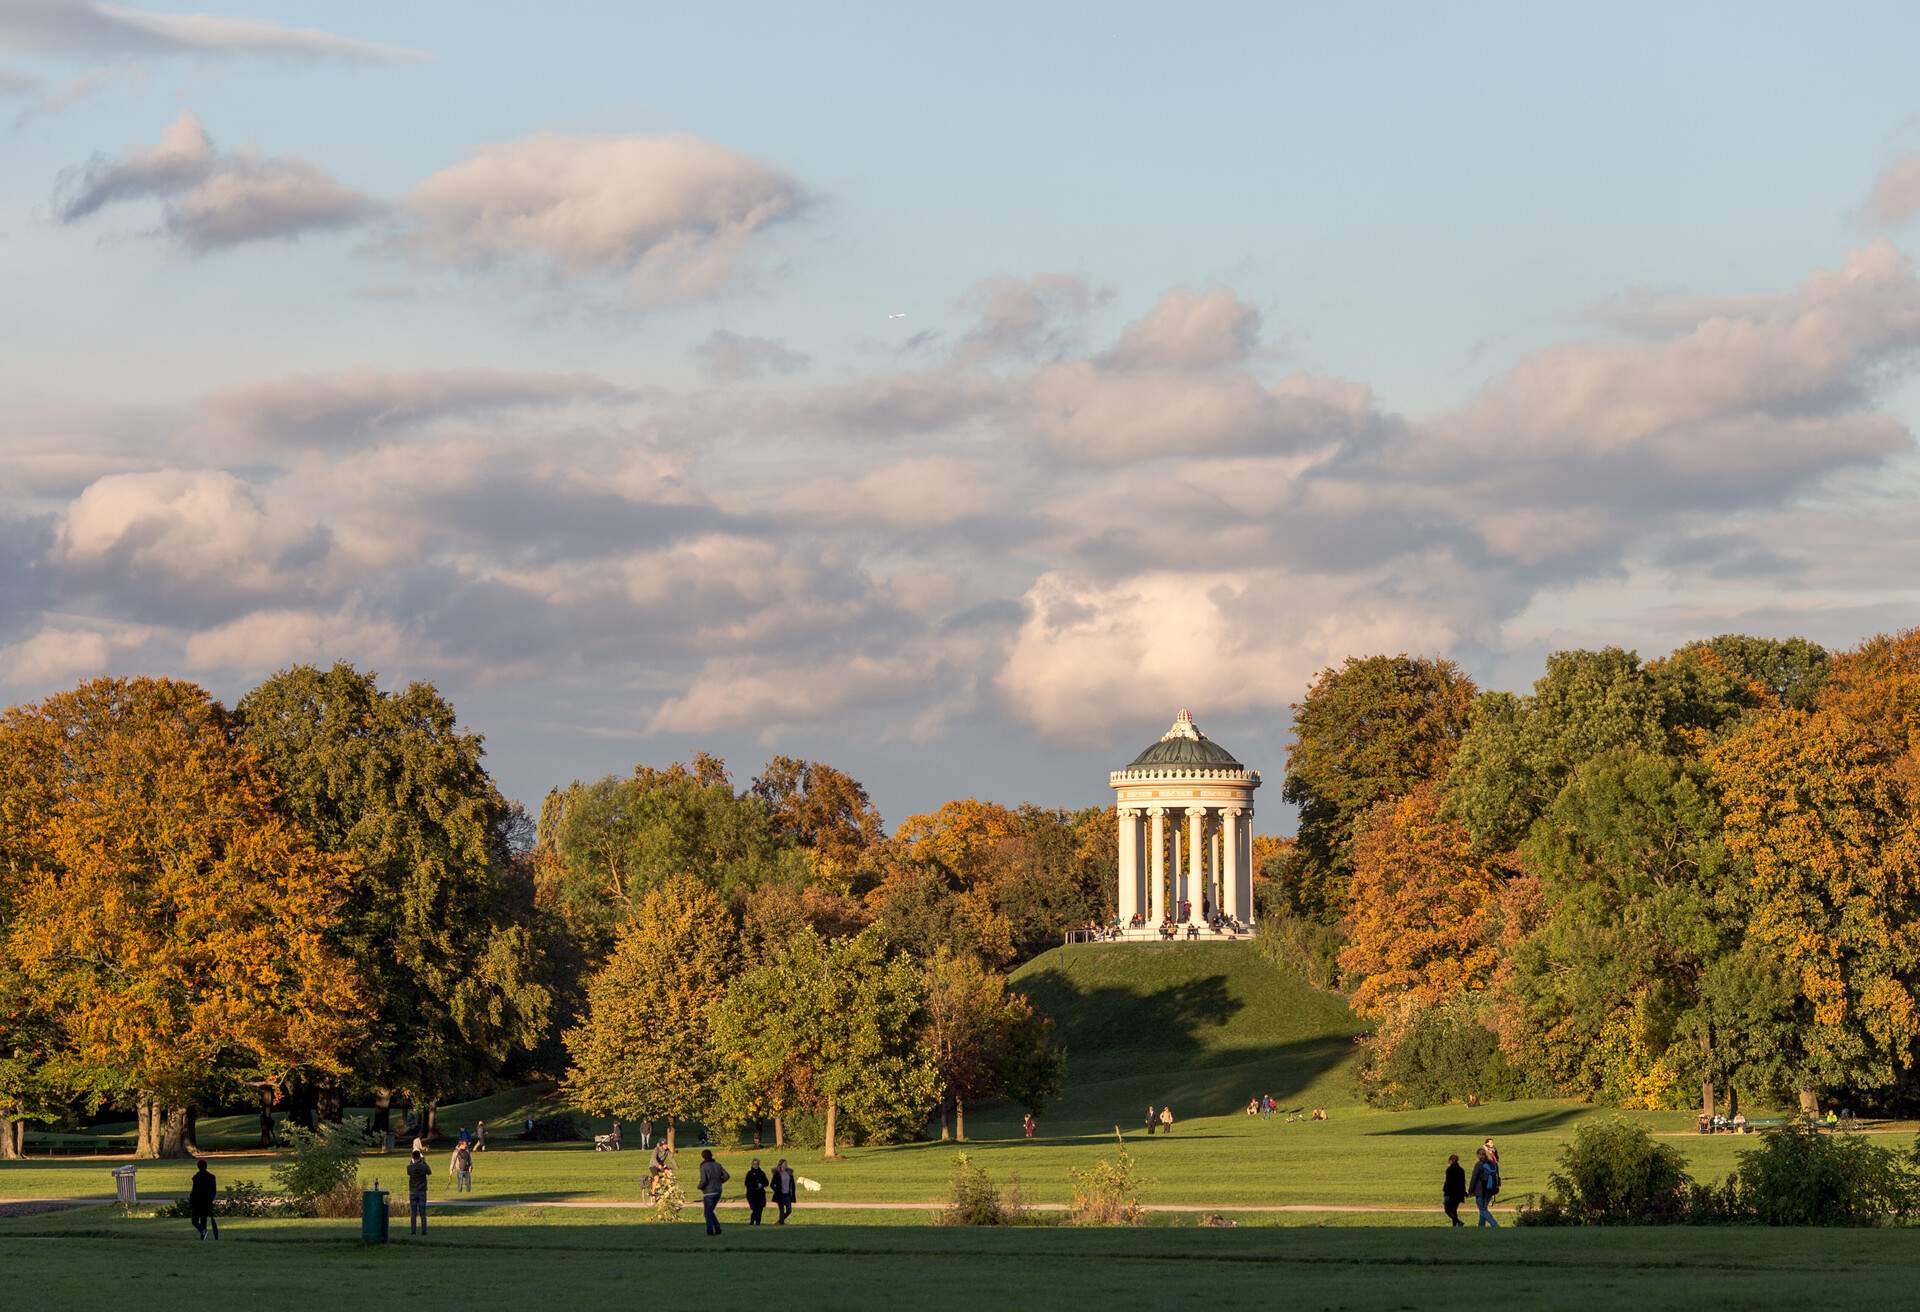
(1527, 1123)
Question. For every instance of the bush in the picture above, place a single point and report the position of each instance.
(1439, 1054)
(1798, 1176)
(320, 1164)
(1614, 1173)
(1107, 1193)
(669, 1199)
(974, 1199)
(243, 1199)
(557, 1129)
(1310, 946)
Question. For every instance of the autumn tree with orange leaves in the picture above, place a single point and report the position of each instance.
(160, 913)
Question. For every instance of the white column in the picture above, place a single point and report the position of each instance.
(1157, 876)
(1196, 819)
(1128, 901)
(1216, 879)
(1246, 864)
(1230, 823)
(1177, 876)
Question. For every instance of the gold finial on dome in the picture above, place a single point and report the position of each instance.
(1183, 727)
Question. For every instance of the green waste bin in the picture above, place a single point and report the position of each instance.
(373, 1215)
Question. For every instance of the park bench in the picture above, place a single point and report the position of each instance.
(1769, 1123)
(78, 1144)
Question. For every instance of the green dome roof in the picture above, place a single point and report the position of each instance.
(1184, 746)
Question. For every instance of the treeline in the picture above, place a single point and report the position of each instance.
(1646, 882)
(319, 896)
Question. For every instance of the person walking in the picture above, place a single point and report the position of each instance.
(200, 1201)
(1493, 1154)
(1453, 1189)
(460, 1167)
(1027, 1121)
(783, 1186)
(712, 1177)
(646, 1133)
(418, 1173)
(1166, 1119)
(1484, 1185)
(756, 1186)
(1153, 1118)
(466, 1137)
(480, 1137)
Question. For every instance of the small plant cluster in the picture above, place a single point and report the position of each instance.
(974, 1199)
(1614, 1173)
(243, 1199)
(320, 1174)
(669, 1199)
(1107, 1193)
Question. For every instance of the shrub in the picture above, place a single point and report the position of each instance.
(1107, 1193)
(1614, 1173)
(556, 1129)
(974, 1199)
(243, 1199)
(320, 1163)
(669, 1200)
(1432, 1055)
(1310, 946)
(1798, 1176)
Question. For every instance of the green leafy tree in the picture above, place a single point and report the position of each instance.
(986, 1040)
(643, 1048)
(432, 916)
(1366, 733)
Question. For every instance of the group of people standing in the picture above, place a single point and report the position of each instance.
(1163, 1119)
(758, 1184)
(1481, 1186)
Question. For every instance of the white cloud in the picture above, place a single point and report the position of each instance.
(1896, 192)
(1189, 329)
(672, 216)
(193, 526)
(272, 639)
(86, 27)
(213, 201)
(364, 406)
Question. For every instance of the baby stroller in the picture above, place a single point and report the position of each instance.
(607, 1143)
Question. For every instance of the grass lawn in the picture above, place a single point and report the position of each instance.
(601, 1259)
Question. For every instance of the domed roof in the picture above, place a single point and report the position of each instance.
(1184, 746)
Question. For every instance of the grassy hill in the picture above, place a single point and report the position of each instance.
(1202, 1026)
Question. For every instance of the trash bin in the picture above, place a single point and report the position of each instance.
(373, 1214)
(123, 1186)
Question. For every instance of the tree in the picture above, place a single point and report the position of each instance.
(431, 917)
(1366, 733)
(613, 841)
(168, 919)
(986, 1040)
(642, 1050)
(1424, 917)
(1518, 752)
(1818, 812)
(822, 809)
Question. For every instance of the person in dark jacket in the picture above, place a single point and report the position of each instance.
(200, 1201)
(712, 1177)
(783, 1186)
(1483, 1186)
(1453, 1189)
(756, 1186)
(418, 1173)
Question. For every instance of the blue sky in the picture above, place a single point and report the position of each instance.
(1229, 342)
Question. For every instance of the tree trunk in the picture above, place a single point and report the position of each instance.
(190, 1136)
(266, 1118)
(383, 1117)
(779, 1132)
(1733, 1103)
(1809, 1102)
(431, 1127)
(946, 1133)
(959, 1120)
(1706, 1099)
(173, 1132)
(328, 1104)
(13, 1138)
(670, 1147)
(146, 1132)
(833, 1124)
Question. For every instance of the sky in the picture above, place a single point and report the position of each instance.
(949, 394)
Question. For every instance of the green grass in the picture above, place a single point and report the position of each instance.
(600, 1259)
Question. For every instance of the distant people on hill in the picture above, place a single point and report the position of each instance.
(1268, 1105)
(1253, 1106)
(1153, 1118)
(783, 1189)
(480, 1137)
(756, 1187)
(713, 1177)
(200, 1201)
(1026, 1123)
(1319, 1114)
(460, 1167)
(1484, 1185)
(1453, 1189)
(1166, 1119)
(418, 1173)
